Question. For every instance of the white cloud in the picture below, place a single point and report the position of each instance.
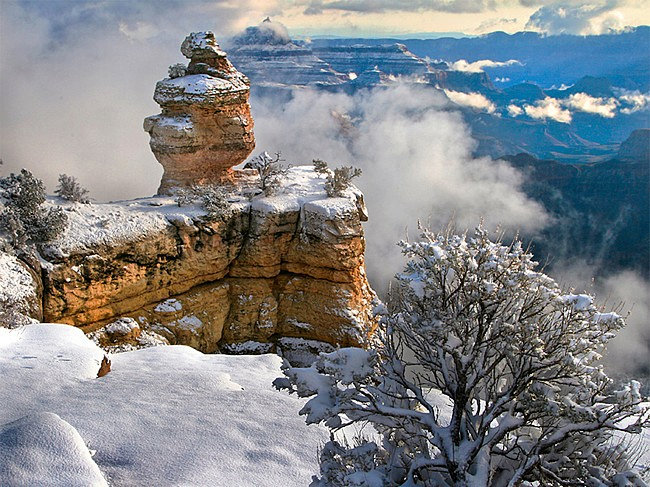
(605, 107)
(584, 17)
(139, 31)
(548, 108)
(514, 110)
(317, 7)
(416, 159)
(492, 24)
(472, 100)
(633, 101)
(479, 66)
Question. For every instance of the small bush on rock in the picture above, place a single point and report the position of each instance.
(340, 179)
(214, 199)
(70, 189)
(177, 70)
(321, 167)
(270, 170)
(187, 196)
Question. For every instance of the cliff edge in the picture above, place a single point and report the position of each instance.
(241, 271)
(262, 269)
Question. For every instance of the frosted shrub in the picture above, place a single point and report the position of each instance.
(187, 196)
(270, 171)
(177, 70)
(321, 167)
(340, 179)
(70, 189)
(214, 199)
(485, 373)
(24, 216)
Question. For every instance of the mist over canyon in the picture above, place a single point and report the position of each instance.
(428, 122)
(372, 260)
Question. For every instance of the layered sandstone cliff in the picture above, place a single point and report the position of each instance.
(255, 270)
(287, 265)
(205, 126)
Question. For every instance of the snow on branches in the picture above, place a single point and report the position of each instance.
(24, 215)
(473, 325)
(270, 169)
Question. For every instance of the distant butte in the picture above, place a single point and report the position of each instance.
(205, 127)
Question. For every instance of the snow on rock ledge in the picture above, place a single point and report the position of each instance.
(264, 266)
(20, 299)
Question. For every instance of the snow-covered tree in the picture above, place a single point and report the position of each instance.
(321, 167)
(340, 179)
(485, 372)
(177, 70)
(70, 189)
(270, 170)
(24, 216)
(215, 201)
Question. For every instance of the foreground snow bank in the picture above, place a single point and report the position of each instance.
(43, 449)
(162, 416)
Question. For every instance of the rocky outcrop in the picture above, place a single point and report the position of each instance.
(205, 126)
(287, 265)
(392, 59)
(270, 59)
(245, 271)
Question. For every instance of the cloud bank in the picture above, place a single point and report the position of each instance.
(633, 101)
(415, 154)
(585, 17)
(548, 108)
(317, 7)
(479, 66)
(562, 109)
(472, 100)
(605, 107)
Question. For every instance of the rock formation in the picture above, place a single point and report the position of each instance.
(287, 265)
(205, 126)
(636, 147)
(271, 60)
(253, 272)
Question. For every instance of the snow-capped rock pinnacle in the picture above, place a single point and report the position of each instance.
(205, 127)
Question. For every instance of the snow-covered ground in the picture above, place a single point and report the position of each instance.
(163, 416)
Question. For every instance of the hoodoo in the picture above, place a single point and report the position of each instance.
(205, 127)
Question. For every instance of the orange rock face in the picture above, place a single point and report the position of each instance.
(205, 126)
(288, 265)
